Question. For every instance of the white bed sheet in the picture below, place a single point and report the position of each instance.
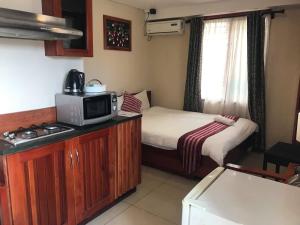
(162, 127)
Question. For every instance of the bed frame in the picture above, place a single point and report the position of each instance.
(171, 161)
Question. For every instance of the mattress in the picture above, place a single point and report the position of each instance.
(162, 128)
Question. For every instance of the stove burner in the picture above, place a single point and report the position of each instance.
(33, 126)
(34, 132)
(20, 129)
(29, 134)
(52, 128)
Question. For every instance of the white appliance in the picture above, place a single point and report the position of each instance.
(94, 86)
(227, 197)
(169, 27)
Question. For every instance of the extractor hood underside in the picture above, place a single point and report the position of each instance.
(24, 25)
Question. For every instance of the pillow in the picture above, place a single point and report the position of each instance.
(120, 102)
(131, 104)
(143, 97)
(224, 120)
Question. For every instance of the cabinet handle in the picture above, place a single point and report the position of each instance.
(77, 156)
(71, 158)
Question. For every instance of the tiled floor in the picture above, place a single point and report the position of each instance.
(255, 160)
(157, 200)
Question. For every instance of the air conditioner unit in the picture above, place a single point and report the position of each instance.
(169, 27)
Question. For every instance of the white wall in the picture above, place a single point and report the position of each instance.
(282, 77)
(219, 7)
(29, 79)
(167, 66)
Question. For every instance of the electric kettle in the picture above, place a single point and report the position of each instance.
(74, 83)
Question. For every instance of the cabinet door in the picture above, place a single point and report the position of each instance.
(94, 172)
(78, 14)
(128, 156)
(41, 186)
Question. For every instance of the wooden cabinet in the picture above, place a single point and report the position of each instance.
(128, 156)
(68, 182)
(63, 183)
(94, 174)
(41, 184)
(78, 15)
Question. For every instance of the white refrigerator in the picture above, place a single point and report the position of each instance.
(227, 197)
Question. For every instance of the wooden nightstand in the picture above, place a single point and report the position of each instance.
(281, 154)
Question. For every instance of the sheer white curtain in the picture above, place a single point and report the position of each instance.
(267, 37)
(224, 85)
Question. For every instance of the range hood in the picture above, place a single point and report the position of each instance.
(25, 25)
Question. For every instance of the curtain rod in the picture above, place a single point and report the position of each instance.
(239, 14)
(271, 12)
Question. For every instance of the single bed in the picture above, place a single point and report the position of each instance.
(162, 127)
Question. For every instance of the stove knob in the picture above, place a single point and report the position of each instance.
(6, 134)
(12, 136)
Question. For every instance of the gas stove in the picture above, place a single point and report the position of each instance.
(34, 132)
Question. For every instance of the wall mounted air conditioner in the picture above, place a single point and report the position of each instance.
(169, 27)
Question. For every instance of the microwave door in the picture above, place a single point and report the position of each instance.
(96, 109)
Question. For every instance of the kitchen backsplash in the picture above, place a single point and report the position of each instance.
(29, 79)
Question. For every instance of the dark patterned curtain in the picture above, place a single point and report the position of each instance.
(256, 76)
(192, 97)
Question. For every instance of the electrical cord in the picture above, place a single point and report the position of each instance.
(148, 14)
(145, 32)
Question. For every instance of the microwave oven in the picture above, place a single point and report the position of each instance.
(86, 109)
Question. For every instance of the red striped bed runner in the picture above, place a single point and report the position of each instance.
(190, 144)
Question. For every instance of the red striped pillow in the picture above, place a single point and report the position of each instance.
(131, 104)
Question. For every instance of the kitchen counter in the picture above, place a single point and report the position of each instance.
(91, 166)
(6, 148)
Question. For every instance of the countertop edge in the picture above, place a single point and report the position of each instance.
(65, 136)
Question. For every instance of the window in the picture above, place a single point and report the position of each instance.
(224, 84)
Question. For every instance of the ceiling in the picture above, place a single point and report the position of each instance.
(147, 4)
